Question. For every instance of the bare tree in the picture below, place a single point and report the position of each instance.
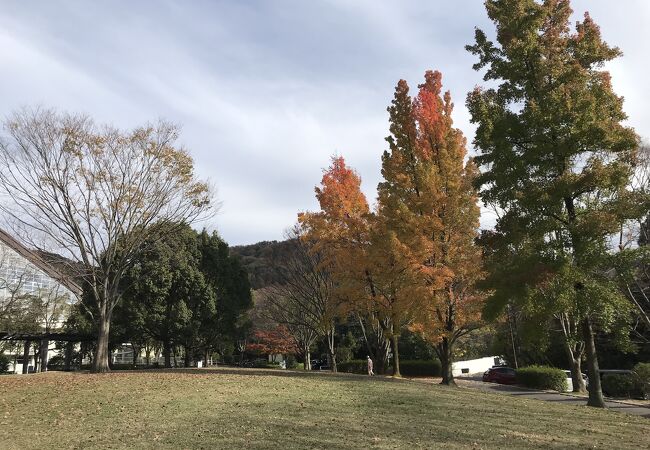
(284, 308)
(303, 300)
(97, 194)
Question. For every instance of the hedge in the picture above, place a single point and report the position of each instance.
(620, 385)
(542, 377)
(411, 368)
(353, 366)
(420, 368)
(642, 378)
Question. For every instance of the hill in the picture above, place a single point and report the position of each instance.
(260, 260)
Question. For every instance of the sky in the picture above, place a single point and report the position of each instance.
(267, 91)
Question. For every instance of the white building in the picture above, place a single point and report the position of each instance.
(34, 290)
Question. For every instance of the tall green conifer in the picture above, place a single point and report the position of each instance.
(555, 156)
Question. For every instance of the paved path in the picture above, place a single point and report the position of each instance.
(567, 399)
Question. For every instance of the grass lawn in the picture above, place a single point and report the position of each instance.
(240, 408)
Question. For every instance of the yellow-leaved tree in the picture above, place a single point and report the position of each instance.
(430, 212)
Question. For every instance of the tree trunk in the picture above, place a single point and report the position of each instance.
(382, 356)
(332, 358)
(69, 349)
(307, 360)
(512, 339)
(446, 362)
(37, 356)
(331, 349)
(187, 361)
(395, 339)
(383, 346)
(575, 364)
(45, 344)
(167, 353)
(574, 350)
(100, 361)
(174, 355)
(26, 348)
(595, 390)
(576, 375)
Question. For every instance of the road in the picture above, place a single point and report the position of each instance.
(567, 399)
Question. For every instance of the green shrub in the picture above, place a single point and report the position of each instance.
(619, 385)
(291, 362)
(56, 362)
(409, 368)
(4, 363)
(420, 368)
(264, 364)
(344, 354)
(543, 377)
(642, 379)
(353, 366)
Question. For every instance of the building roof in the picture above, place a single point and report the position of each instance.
(46, 266)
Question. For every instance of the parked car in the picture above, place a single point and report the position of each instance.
(501, 375)
(569, 380)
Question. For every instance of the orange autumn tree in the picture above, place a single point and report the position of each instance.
(430, 211)
(337, 234)
(338, 230)
(276, 341)
(392, 292)
(363, 257)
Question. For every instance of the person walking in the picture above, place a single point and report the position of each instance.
(370, 372)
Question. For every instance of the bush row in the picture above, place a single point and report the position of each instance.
(420, 368)
(634, 385)
(353, 366)
(542, 377)
(620, 385)
(641, 374)
(411, 368)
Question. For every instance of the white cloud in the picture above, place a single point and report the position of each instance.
(267, 91)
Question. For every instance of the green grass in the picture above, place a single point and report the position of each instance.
(277, 409)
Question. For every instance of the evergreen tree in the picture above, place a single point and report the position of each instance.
(166, 296)
(229, 281)
(554, 155)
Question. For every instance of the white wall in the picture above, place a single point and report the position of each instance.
(18, 368)
(475, 366)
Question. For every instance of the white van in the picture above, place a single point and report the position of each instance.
(569, 380)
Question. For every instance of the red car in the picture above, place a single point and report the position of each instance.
(501, 375)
